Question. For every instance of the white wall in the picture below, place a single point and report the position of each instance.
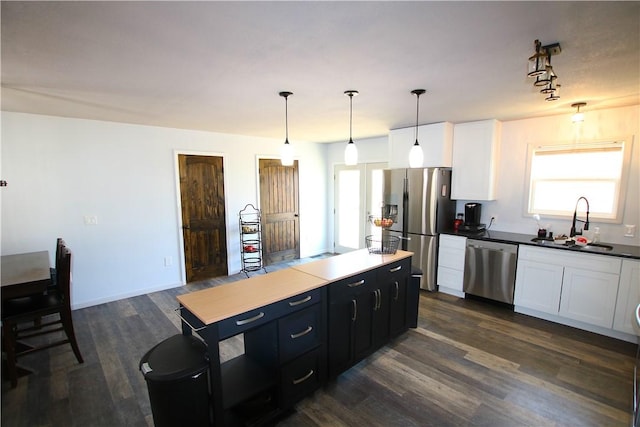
(60, 170)
(516, 135)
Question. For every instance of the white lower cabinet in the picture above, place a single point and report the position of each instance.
(589, 296)
(567, 285)
(451, 252)
(538, 286)
(628, 298)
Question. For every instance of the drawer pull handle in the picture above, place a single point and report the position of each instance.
(393, 270)
(251, 319)
(306, 377)
(302, 301)
(303, 333)
(353, 285)
(395, 298)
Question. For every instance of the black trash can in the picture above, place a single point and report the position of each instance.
(413, 296)
(176, 371)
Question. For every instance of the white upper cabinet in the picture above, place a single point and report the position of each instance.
(435, 139)
(476, 154)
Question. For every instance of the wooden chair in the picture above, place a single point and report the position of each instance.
(26, 310)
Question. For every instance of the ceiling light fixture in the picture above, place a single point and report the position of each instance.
(578, 116)
(540, 68)
(416, 155)
(351, 152)
(286, 150)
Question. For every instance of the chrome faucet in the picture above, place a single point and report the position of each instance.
(586, 223)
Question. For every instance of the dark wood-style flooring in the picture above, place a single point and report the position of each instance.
(468, 363)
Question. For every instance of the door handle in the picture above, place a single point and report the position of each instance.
(354, 284)
(251, 319)
(354, 310)
(395, 298)
(306, 377)
(303, 333)
(302, 301)
(393, 270)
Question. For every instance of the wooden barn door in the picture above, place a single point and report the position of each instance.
(279, 207)
(203, 216)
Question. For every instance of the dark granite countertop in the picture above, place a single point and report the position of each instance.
(623, 251)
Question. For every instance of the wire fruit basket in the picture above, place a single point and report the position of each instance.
(385, 245)
(384, 222)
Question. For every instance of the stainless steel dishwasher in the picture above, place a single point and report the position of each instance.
(490, 270)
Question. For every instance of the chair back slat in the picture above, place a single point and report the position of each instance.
(63, 284)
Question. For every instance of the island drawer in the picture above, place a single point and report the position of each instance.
(299, 332)
(301, 377)
(253, 318)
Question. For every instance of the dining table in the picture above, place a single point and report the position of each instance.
(24, 274)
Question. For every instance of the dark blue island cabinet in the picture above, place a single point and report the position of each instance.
(301, 325)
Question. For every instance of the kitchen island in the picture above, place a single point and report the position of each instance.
(302, 325)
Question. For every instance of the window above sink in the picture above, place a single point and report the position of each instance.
(557, 175)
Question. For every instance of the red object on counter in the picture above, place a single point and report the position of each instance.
(457, 223)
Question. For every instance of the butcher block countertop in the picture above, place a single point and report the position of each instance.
(345, 265)
(228, 300)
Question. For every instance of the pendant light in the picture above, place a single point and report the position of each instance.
(286, 151)
(578, 116)
(416, 156)
(350, 152)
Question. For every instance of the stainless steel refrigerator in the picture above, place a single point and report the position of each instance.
(421, 201)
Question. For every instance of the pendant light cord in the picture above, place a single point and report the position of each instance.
(417, 114)
(286, 119)
(350, 116)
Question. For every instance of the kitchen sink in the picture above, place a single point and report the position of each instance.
(596, 247)
(591, 247)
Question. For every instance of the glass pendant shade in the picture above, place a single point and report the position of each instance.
(416, 156)
(538, 61)
(351, 154)
(578, 116)
(537, 65)
(551, 87)
(286, 154)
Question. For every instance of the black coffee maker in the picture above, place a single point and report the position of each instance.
(472, 213)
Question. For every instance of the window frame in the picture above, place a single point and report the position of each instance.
(625, 143)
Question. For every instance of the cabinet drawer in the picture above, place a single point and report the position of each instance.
(450, 278)
(299, 332)
(301, 377)
(453, 242)
(396, 271)
(351, 285)
(250, 319)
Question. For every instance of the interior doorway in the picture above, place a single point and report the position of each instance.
(279, 205)
(358, 195)
(203, 216)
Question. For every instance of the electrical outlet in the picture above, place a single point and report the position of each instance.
(90, 220)
(494, 218)
(629, 230)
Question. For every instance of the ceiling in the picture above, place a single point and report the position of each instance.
(218, 66)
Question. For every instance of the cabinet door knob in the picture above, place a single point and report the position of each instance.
(393, 270)
(395, 298)
(354, 310)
